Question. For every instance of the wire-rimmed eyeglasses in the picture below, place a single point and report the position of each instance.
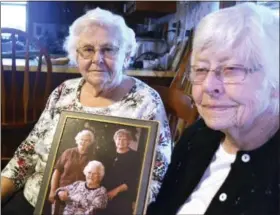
(226, 74)
(88, 52)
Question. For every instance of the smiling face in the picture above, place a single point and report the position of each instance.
(122, 141)
(94, 176)
(226, 106)
(83, 143)
(102, 70)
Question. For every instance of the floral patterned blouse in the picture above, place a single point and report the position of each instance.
(84, 200)
(27, 166)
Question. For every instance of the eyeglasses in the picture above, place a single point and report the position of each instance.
(225, 74)
(87, 52)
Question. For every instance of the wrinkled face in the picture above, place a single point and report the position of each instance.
(226, 106)
(122, 141)
(94, 176)
(107, 58)
(83, 143)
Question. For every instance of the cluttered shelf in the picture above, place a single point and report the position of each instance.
(70, 69)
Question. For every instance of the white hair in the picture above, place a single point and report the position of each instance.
(103, 18)
(84, 132)
(122, 131)
(250, 31)
(94, 164)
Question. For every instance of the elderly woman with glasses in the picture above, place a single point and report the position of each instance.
(101, 45)
(85, 197)
(123, 175)
(228, 162)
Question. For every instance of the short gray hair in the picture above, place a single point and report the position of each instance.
(249, 30)
(85, 132)
(122, 131)
(94, 164)
(102, 18)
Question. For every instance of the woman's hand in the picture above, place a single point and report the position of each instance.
(54, 185)
(63, 195)
(113, 193)
(7, 187)
(52, 196)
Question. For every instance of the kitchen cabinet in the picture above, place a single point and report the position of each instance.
(149, 9)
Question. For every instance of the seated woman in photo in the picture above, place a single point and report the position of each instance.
(85, 197)
(101, 44)
(228, 162)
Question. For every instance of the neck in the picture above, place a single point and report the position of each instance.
(94, 91)
(122, 151)
(252, 137)
(93, 185)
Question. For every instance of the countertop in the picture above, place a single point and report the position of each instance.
(67, 68)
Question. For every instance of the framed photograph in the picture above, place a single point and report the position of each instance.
(98, 165)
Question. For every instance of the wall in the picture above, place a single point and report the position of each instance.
(189, 14)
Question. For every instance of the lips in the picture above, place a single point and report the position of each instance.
(218, 107)
(96, 70)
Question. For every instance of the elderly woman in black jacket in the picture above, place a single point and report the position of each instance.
(228, 162)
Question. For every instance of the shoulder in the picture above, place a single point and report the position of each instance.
(66, 87)
(196, 135)
(102, 190)
(69, 152)
(142, 89)
(70, 84)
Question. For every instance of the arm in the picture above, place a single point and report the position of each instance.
(163, 147)
(113, 193)
(179, 155)
(54, 184)
(23, 163)
(63, 193)
(99, 201)
(7, 187)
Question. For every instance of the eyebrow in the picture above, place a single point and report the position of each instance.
(207, 61)
(102, 45)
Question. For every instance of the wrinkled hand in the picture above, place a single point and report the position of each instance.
(52, 196)
(63, 195)
(113, 193)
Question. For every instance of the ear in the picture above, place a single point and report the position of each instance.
(275, 92)
(126, 60)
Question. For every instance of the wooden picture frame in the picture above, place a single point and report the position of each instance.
(144, 135)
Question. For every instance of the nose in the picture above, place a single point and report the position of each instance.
(97, 57)
(213, 86)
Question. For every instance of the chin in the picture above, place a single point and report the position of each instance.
(218, 125)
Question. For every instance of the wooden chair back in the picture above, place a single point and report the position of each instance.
(180, 81)
(178, 105)
(22, 96)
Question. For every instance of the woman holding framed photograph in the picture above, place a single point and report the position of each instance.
(101, 45)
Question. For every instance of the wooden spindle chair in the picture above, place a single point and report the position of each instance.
(19, 93)
(177, 99)
(179, 106)
(23, 95)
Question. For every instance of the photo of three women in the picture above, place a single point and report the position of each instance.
(116, 177)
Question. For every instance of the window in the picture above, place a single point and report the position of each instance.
(274, 5)
(13, 15)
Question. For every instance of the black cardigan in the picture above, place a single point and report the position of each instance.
(251, 187)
